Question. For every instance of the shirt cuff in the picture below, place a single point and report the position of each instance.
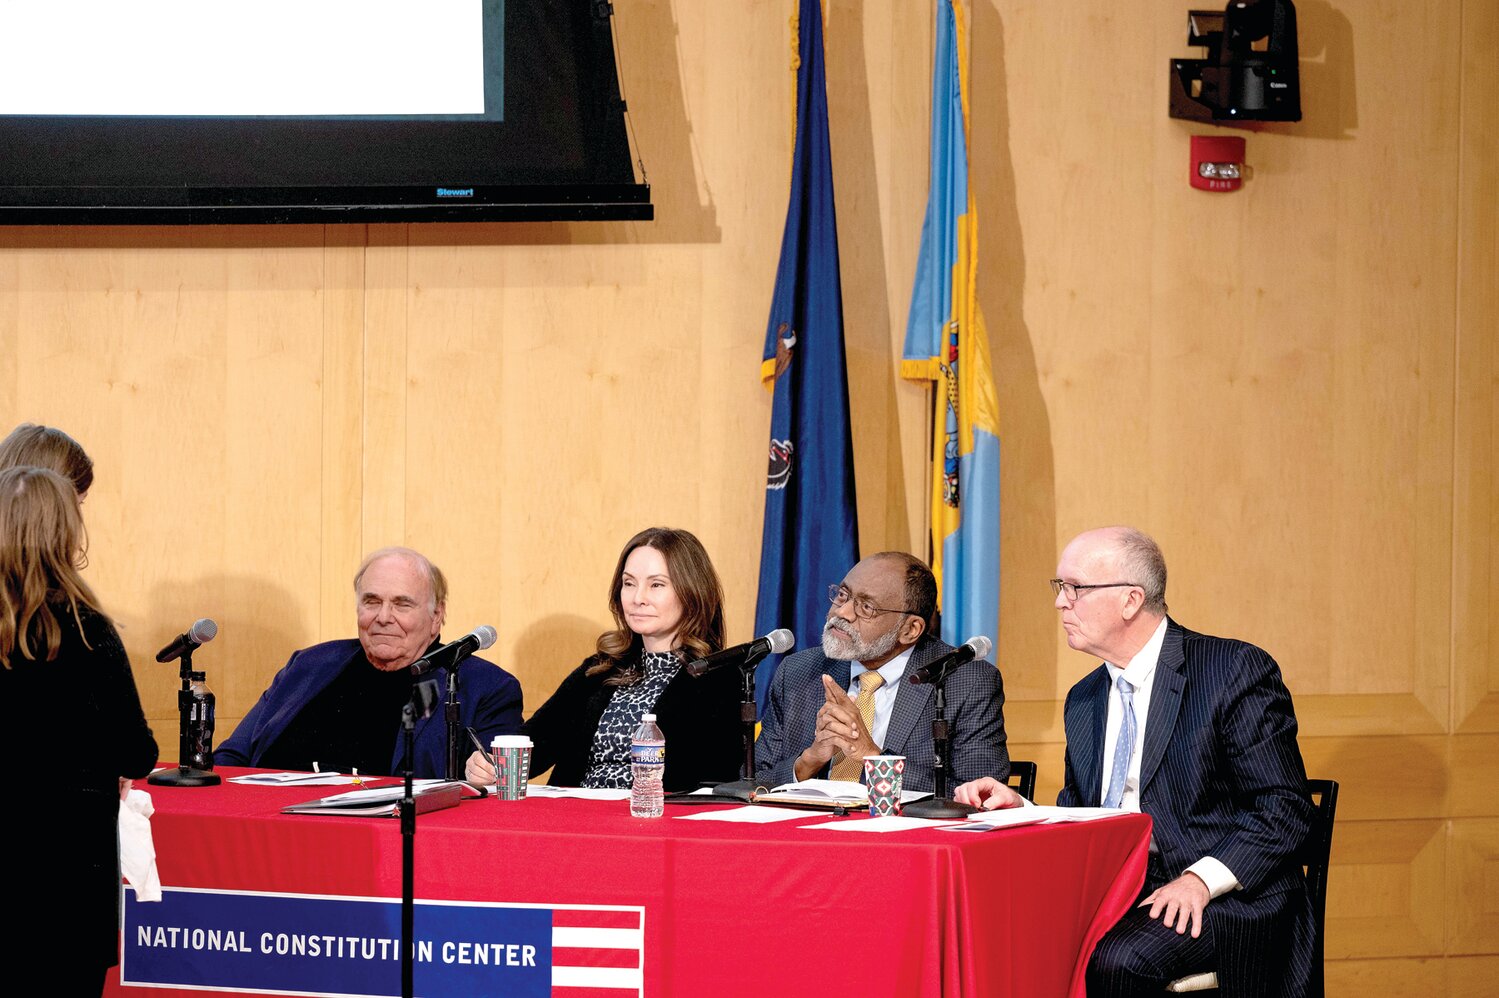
(1219, 878)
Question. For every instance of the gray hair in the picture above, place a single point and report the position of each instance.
(1143, 564)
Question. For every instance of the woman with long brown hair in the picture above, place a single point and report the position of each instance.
(667, 604)
(30, 444)
(73, 706)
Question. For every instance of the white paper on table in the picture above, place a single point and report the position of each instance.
(578, 793)
(989, 821)
(1060, 815)
(375, 795)
(1035, 814)
(892, 824)
(752, 815)
(295, 779)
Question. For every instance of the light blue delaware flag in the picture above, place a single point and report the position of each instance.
(811, 533)
(946, 343)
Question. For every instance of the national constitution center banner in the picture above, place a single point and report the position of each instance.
(329, 945)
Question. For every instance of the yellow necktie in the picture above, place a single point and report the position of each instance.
(845, 768)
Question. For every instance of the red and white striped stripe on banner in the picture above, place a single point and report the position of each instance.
(598, 952)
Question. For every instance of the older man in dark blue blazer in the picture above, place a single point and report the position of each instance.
(338, 704)
(829, 707)
(1199, 733)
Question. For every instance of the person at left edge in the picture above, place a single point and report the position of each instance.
(339, 703)
(73, 710)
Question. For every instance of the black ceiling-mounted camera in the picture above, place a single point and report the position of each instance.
(1250, 73)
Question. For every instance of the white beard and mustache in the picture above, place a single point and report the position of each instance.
(845, 646)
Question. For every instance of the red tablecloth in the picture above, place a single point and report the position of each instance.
(731, 909)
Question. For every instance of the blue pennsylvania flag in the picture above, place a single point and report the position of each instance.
(946, 343)
(811, 534)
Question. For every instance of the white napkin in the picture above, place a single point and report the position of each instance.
(137, 851)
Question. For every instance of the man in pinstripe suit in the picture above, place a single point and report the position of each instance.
(813, 725)
(1215, 764)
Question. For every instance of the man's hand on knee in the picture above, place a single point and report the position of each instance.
(1181, 900)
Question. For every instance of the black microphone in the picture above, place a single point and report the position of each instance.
(747, 654)
(934, 672)
(454, 652)
(202, 632)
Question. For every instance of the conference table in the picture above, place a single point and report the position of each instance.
(575, 898)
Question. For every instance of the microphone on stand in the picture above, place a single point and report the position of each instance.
(195, 712)
(202, 632)
(939, 805)
(450, 654)
(774, 643)
(935, 672)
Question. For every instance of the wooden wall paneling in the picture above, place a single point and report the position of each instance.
(342, 424)
(1394, 776)
(1454, 977)
(1472, 901)
(266, 421)
(125, 347)
(741, 153)
(1009, 107)
(1476, 513)
(455, 482)
(1473, 775)
(383, 407)
(867, 101)
(10, 320)
(1386, 887)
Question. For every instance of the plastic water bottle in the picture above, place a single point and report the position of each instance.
(200, 723)
(647, 761)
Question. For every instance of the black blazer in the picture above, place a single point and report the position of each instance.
(1220, 775)
(698, 716)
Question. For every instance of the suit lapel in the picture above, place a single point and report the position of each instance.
(1165, 702)
(1084, 725)
(911, 701)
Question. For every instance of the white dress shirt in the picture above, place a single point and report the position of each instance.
(1140, 673)
(884, 697)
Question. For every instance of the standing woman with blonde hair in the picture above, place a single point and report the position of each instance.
(75, 713)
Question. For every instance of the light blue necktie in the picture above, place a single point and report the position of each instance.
(1124, 747)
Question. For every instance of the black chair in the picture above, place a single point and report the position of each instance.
(1023, 779)
(1315, 856)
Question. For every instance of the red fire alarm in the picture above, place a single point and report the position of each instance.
(1217, 162)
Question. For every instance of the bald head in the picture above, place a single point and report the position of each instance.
(1132, 556)
(1118, 576)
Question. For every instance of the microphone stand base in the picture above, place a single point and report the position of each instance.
(184, 776)
(937, 808)
(738, 790)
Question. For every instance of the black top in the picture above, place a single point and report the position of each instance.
(698, 716)
(347, 725)
(609, 759)
(78, 720)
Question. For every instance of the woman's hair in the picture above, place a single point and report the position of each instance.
(42, 546)
(48, 447)
(701, 631)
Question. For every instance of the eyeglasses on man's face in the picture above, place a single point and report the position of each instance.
(1071, 590)
(864, 607)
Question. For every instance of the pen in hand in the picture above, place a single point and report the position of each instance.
(482, 751)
